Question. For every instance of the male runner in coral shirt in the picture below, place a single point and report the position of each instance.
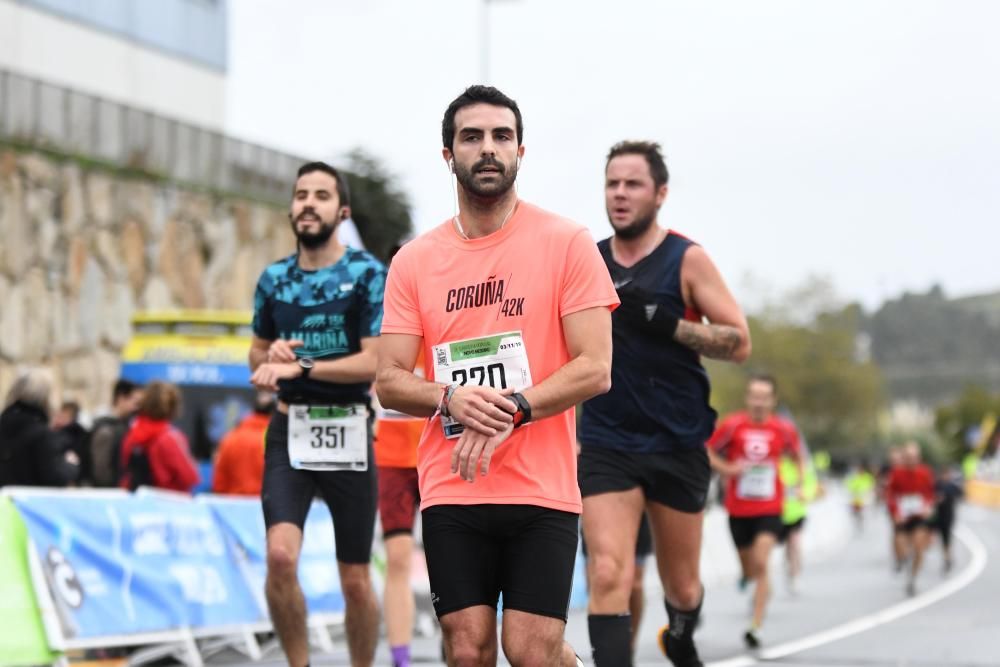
(511, 306)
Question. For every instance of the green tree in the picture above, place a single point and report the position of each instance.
(379, 207)
(833, 393)
(954, 421)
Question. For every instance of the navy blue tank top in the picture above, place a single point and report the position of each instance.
(659, 390)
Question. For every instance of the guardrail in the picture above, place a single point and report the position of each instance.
(39, 114)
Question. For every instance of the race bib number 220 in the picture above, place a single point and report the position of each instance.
(499, 361)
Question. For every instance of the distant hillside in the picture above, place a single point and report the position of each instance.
(987, 305)
(929, 347)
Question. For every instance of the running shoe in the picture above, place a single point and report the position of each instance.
(681, 654)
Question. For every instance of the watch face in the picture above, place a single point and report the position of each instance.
(306, 362)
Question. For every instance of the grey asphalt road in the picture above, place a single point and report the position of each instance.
(850, 609)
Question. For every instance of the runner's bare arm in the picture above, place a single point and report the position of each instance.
(722, 465)
(264, 351)
(258, 352)
(398, 388)
(727, 336)
(588, 373)
(352, 368)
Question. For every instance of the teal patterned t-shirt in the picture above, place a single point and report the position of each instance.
(330, 310)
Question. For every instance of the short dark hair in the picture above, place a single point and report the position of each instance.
(649, 150)
(72, 407)
(343, 189)
(123, 388)
(766, 378)
(478, 95)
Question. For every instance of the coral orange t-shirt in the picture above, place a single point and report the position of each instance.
(397, 435)
(524, 278)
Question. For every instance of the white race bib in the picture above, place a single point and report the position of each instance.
(911, 504)
(499, 361)
(756, 482)
(328, 437)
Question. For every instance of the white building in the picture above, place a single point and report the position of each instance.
(164, 56)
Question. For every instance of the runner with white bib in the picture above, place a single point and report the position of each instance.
(746, 449)
(510, 306)
(317, 314)
(910, 495)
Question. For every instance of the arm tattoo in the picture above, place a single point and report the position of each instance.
(715, 341)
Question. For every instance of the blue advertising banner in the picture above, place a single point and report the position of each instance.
(242, 522)
(120, 564)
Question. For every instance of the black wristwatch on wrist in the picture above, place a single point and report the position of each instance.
(523, 413)
(306, 364)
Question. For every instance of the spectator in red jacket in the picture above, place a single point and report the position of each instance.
(155, 452)
(239, 464)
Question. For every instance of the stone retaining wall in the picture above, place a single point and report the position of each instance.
(82, 248)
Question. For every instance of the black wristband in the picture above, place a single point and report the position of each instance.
(523, 414)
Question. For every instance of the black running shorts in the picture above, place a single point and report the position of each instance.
(745, 529)
(788, 528)
(911, 525)
(351, 495)
(475, 552)
(677, 479)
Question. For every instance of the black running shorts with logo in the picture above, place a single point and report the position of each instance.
(398, 499)
(351, 495)
(678, 479)
(475, 552)
(745, 529)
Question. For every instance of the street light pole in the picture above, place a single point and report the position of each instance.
(484, 52)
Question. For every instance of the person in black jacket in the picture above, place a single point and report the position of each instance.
(31, 453)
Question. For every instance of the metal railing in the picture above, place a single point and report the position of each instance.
(40, 114)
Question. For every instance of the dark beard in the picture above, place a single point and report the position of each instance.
(636, 229)
(493, 191)
(314, 240)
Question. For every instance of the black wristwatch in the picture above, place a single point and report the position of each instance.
(523, 414)
(306, 364)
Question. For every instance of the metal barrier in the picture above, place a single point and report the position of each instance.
(39, 114)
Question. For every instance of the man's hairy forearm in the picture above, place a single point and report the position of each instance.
(403, 391)
(580, 379)
(353, 368)
(715, 341)
(257, 357)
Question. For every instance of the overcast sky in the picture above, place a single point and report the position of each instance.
(858, 140)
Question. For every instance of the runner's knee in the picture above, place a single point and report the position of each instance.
(536, 653)
(355, 584)
(608, 575)
(282, 561)
(467, 645)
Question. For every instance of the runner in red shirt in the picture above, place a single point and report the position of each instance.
(910, 497)
(746, 450)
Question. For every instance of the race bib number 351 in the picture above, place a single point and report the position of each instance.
(328, 437)
(499, 361)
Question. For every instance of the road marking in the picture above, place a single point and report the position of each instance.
(977, 563)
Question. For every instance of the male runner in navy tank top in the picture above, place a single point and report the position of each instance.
(643, 443)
